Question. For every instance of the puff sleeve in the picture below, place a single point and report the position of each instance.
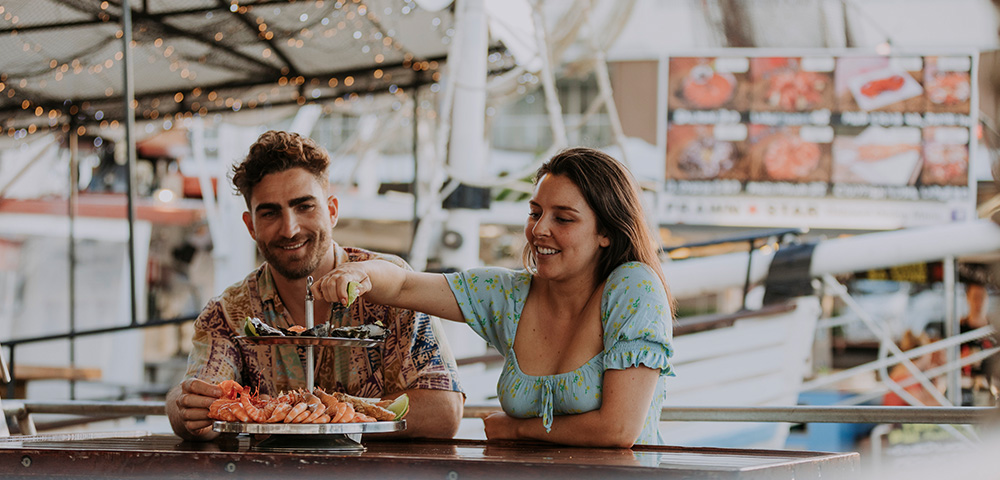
(636, 317)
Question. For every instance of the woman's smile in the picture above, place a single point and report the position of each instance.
(546, 251)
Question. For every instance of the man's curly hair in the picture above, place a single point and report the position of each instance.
(277, 151)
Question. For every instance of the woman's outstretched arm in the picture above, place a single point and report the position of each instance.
(387, 284)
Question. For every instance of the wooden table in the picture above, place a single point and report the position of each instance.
(124, 455)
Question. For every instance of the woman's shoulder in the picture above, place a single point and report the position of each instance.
(627, 270)
(633, 279)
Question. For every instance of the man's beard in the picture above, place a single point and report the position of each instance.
(301, 266)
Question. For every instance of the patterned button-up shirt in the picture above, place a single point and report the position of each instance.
(414, 355)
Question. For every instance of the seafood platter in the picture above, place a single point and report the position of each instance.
(308, 419)
(304, 420)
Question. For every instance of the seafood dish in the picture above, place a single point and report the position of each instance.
(948, 88)
(706, 158)
(705, 88)
(240, 404)
(795, 90)
(789, 158)
(876, 87)
(883, 87)
(255, 327)
(945, 164)
(877, 156)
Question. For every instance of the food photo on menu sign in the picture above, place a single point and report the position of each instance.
(879, 84)
(698, 154)
(791, 84)
(876, 155)
(948, 83)
(787, 154)
(701, 83)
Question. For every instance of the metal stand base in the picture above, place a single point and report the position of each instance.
(319, 443)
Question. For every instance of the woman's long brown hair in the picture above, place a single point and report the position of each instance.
(613, 194)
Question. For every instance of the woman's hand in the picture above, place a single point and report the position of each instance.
(500, 426)
(332, 287)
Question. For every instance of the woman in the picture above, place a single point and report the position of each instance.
(585, 330)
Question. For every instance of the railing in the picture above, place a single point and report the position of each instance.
(22, 410)
(12, 344)
(751, 238)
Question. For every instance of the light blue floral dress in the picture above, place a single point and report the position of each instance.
(637, 331)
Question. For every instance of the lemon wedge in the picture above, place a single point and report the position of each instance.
(248, 328)
(352, 292)
(400, 406)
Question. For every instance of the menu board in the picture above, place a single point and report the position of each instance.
(826, 141)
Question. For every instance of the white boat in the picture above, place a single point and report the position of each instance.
(752, 359)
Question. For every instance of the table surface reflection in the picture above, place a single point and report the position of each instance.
(142, 455)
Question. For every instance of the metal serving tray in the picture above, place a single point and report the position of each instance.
(338, 438)
(308, 428)
(322, 341)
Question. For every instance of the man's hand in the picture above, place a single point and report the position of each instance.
(187, 409)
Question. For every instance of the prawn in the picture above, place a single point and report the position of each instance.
(329, 400)
(344, 414)
(324, 418)
(230, 389)
(226, 414)
(296, 411)
(317, 411)
(280, 413)
(239, 412)
(256, 414)
(361, 418)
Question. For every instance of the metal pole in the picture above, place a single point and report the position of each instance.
(74, 151)
(952, 328)
(746, 281)
(128, 94)
(5, 376)
(415, 147)
(467, 150)
(11, 375)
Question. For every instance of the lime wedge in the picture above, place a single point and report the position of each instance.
(352, 292)
(400, 406)
(248, 328)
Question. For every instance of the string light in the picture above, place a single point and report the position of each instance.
(345, 15)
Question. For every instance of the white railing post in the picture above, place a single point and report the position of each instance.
(5, 376)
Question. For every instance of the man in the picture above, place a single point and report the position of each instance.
(291, 217)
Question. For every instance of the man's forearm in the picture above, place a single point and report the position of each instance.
(433, 414)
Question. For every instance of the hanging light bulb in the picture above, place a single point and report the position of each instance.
(884, 48)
